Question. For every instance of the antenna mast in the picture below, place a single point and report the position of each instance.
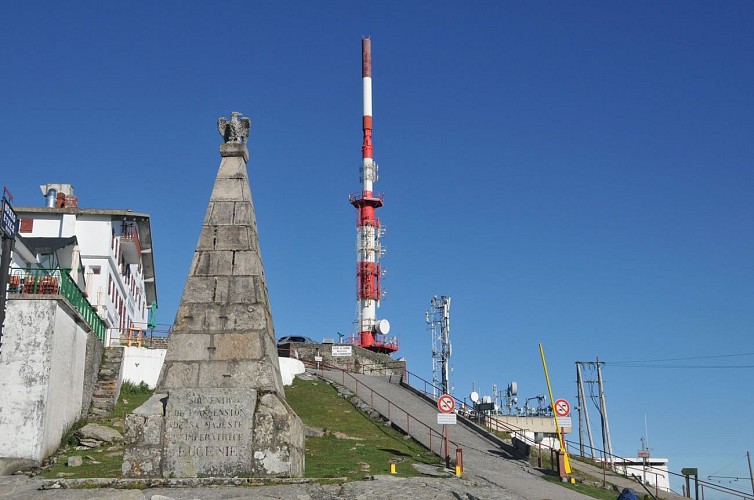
(438, 322)
(371, 333)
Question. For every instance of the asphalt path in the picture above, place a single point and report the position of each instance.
(483, 460)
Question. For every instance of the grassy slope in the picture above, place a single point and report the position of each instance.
(365, 446)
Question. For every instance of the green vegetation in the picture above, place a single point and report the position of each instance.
(354, 445)
(585, 483)
(585, 489)
(104, 461)
(131, 397)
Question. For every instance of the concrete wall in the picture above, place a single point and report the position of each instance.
(362, 360)
(46, 384)
(534, 424)
(289, 368)
(142, 365)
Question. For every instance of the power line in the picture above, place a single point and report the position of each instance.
(682, 359)
(694, 367)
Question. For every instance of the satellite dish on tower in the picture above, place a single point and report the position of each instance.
(383, 327)
(512, 388)
(474, 396)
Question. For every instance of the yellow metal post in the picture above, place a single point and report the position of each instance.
(557, 425)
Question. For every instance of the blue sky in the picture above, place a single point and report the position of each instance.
(572, 173)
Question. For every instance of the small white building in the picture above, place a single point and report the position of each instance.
(652, 471)
(114, 248)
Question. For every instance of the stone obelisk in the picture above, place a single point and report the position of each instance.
(219, 403)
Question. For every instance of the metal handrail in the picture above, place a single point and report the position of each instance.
(612, 464)
(57, 282)
(390, 404)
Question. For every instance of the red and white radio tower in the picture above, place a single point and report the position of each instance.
(372, 333)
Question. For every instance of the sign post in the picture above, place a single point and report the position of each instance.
(566, 461)
(446, 404)
(8, 227)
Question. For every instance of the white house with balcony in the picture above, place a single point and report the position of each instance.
(80, 279)
(115, 253)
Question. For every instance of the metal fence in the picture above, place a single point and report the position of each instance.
(57, 282)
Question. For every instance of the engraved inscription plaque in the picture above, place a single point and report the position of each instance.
(209, 432)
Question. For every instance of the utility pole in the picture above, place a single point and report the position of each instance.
(751, 476)
(583, 404)
(606, 442)
(580, 408)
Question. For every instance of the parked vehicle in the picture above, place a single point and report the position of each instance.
(295, 338)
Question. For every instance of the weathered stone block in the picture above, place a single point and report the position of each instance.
(199, 289)
(242, 290)
(190, 346)
(244, 212)
(229, 346)
(232, 238)
(143, 439)
(229, 189)
(208, 432)
(237, 374)
(181, 375)
(278, 438)
(213, 263)
(241, 317)
(230, 149)
(219, 213)
(246, 264)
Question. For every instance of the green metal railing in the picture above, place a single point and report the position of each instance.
(57, 282)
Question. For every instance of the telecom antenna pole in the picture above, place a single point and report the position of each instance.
(438, 321)
(751, 476)
(606, 442)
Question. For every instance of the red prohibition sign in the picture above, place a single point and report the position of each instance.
(446, 403)
(562, 408)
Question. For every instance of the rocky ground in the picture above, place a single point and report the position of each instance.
(22, 487)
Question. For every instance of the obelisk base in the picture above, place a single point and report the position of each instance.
(214, 433)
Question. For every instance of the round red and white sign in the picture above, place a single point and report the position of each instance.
(446, 403)
(562, 408)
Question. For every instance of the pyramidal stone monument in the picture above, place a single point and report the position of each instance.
(219, 409)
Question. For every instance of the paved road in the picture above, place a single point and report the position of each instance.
(383, 487)
(484, 460)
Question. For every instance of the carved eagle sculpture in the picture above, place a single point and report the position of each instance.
(235, 130)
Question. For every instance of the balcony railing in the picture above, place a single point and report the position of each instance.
(130, 244)
(57, 282)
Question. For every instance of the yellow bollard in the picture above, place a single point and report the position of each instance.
(458, 471)
(392, 469)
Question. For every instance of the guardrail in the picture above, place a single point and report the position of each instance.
(57, 282)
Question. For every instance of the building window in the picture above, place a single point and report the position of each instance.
(26, 225)
(96, 269)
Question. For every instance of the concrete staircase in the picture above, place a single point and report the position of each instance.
(106, 392)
